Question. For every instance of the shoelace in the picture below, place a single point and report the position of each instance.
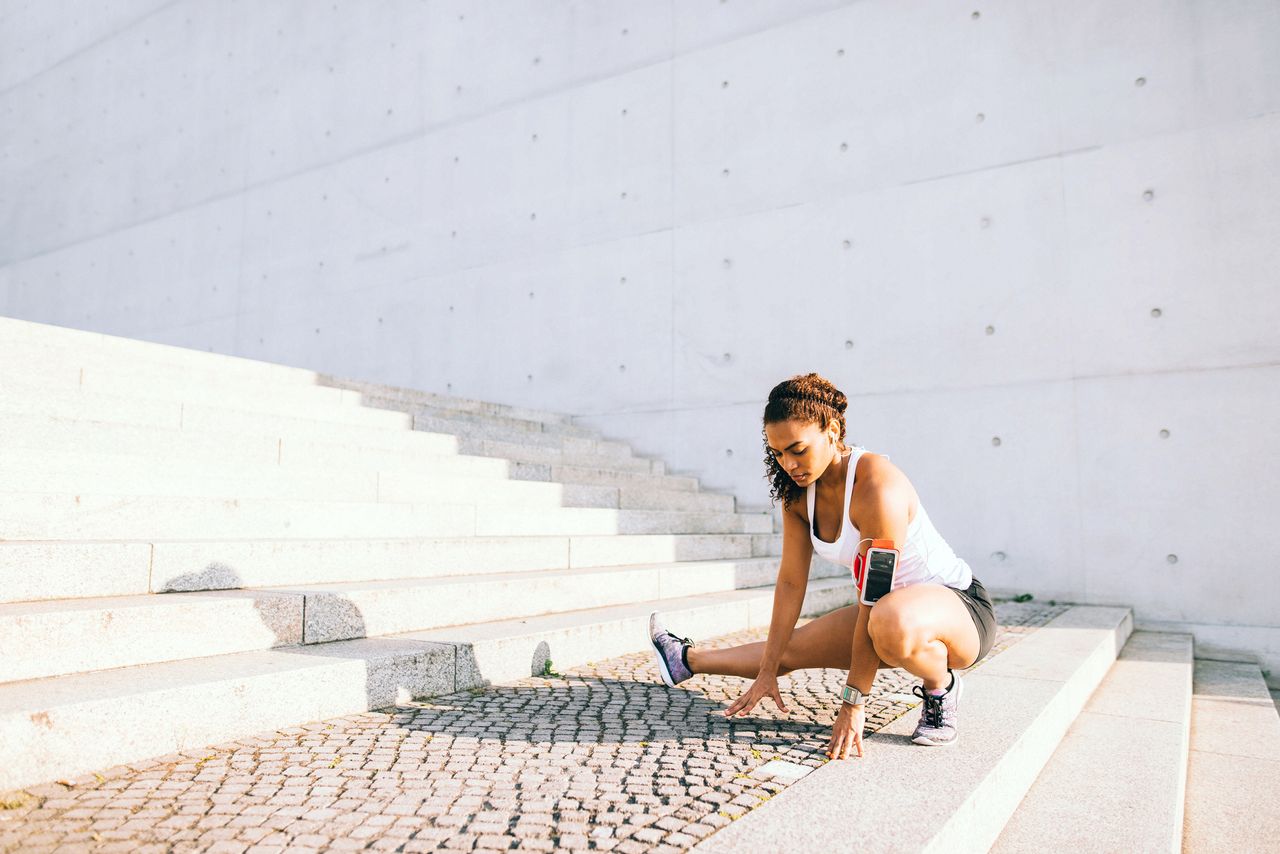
(932, 706)
(681, 640)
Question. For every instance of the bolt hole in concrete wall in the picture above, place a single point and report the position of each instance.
(868, 190)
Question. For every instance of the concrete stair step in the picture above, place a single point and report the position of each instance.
(1234, 761)
(1015, 710)
(541, 443)
(306, 442)
(1118, 777)
(198, 453)
(68, 570)
(227, 414)
(19, 337)
(444, 403)
(602, 474)
(53, 638)
(444, 420)
(135, 475)
(380, 427)
(156, 709)
(300, 442)
(163, 382)
(196, 461)
(649, 498)
(38, 516)
(614, 459)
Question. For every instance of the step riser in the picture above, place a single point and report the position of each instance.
(27, 354)
(43, 402)
(41, 517)
(36, 436)
(535, 522)
(40, 571)
(92, 517)
(82, 570)
(206, 566)
(426, 398)
(63, 479)
(481, 472)
(553, 456)
(53, 643)
(650, 499)
(601, 477)
(493, 661)
(175, 387)
(486, 426)
(139, 476)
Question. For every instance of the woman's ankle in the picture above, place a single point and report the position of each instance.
(690, 659)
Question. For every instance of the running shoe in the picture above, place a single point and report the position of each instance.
(668, 652)
(937, 726)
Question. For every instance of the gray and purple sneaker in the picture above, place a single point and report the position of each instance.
(669, 652)
(937, 727)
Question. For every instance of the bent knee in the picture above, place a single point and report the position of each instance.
(895, 631)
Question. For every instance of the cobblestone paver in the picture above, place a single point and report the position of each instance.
(602, 757)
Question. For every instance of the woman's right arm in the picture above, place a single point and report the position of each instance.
(788, 598)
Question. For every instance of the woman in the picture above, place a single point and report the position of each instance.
(936, 617)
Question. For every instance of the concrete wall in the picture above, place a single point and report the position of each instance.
(1034, 241)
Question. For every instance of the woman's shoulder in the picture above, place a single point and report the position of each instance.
(876, 476)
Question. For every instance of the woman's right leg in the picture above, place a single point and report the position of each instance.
(825, 642)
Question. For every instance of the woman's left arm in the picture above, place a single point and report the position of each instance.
(884, 518)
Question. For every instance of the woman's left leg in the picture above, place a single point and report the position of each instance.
(924, 629)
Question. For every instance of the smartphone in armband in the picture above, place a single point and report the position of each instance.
(881, 563)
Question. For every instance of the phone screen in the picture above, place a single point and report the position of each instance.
(879, 579)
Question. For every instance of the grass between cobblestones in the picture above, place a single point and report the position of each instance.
(600, 757)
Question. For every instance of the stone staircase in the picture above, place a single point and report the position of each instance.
(196, 548)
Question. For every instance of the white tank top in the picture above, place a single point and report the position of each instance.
(925, 557)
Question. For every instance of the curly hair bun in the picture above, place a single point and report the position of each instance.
(813, 387)
(809, 398)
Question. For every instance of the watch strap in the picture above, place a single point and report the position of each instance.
(851, 695)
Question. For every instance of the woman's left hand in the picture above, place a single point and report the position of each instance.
(846, 731)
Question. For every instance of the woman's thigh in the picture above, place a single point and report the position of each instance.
(924, 613)
(824, 642)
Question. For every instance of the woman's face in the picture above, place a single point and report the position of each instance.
(803, 450)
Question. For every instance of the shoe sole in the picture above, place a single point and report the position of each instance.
(928, 742)
(657, 655)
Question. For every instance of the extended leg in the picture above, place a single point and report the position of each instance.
(825, 642)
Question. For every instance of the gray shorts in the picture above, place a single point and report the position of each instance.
(975, 598)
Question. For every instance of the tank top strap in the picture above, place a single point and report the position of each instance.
(849, 477)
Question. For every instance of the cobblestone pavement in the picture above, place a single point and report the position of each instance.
(603, 757)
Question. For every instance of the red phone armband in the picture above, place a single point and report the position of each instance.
(859, 564)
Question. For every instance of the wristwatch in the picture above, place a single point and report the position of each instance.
(851, 695)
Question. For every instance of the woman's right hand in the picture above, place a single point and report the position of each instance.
(765, 685)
